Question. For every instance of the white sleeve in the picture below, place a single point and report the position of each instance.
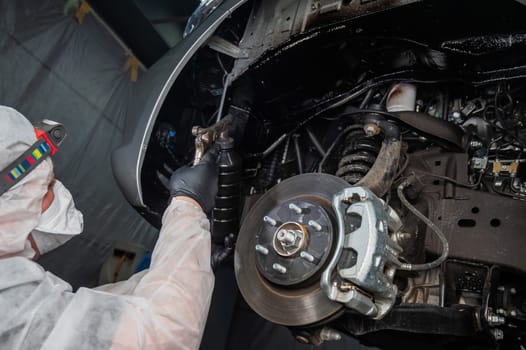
(165, 307)
(168, 306)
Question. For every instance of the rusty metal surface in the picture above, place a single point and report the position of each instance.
(482, 227)
(479, 226)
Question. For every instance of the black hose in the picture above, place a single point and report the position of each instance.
(299, 159)
(315, 142)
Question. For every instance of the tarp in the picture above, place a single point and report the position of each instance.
(53, 67)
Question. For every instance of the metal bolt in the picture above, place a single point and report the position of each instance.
(513, 313)
(295, 208)
(475, 144)
(302, 339)
(262, 250)
(513, 290)
(279, 268)
(329, 334)
(498, 334)
(286, 236)
(370, 130)
(270, 221)
(456, 115)
(501, 288)
(401, 237)
(315, 225)
(195, 130)
(307, 256)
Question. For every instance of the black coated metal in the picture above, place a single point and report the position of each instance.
(446, 134)
(226, 212)
(464, 280)
(450, 135)
(299, 158)
(459, 321)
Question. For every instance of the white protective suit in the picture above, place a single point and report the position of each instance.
(164, 307)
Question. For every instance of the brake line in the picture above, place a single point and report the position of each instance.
(445, 245)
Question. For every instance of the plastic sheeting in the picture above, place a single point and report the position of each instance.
(52, 67)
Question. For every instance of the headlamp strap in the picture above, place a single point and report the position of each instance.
(23, 165)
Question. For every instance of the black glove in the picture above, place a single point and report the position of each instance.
(198, 182)
(221, 253)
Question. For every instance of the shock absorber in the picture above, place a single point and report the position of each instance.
(358, 156)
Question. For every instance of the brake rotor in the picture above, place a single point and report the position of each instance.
(282, 248)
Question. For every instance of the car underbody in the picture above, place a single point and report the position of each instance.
(379, 184)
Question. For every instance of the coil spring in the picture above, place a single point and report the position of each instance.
(358, 156)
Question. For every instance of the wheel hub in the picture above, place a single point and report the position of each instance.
(293, 242)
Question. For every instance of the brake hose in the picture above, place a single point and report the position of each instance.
(445, 245)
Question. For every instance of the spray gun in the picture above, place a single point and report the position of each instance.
(205, 137)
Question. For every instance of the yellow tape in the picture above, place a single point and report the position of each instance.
(513, 168)
(83, 9)
(132, 64)
(497, 167)
(510, 168)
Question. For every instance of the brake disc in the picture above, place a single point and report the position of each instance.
(282, 249)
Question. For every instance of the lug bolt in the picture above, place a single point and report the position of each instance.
(262, 250)
(270, 221)
(295, 208)
(315, 225)
(286, 236)
(279, 268)
(307, 256)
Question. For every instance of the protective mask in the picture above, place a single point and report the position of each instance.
(59, 223)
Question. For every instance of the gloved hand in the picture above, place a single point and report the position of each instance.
(222, 252)
(198, 182)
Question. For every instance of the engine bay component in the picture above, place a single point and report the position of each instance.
(401, 97)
